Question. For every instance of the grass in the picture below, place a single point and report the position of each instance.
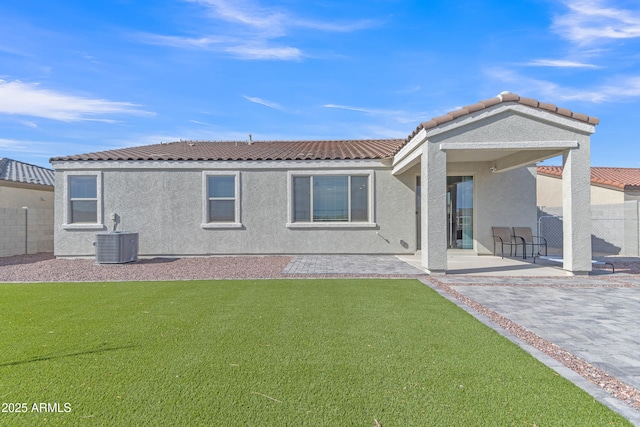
(274, 352)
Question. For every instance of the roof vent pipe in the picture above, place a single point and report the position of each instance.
(250, 139)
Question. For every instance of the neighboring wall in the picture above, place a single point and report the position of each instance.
(550, 193)
(16, 195)
(163, 202)
(16, 224)
(615, 228)
(25, 231)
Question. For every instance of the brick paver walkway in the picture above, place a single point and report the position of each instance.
(366, 265)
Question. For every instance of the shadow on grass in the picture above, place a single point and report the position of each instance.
(62, 356)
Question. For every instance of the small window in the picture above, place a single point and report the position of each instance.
(325, 198)
(221, 200)
(83, 208)
(83, 198)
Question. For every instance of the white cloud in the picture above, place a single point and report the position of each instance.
(30, 100)
(397, 115)
(273, 21)
(616, 89)
(262, 102)
(265, 52)
(589, 21)
(201, 123)
(559, 63)
(252, 31)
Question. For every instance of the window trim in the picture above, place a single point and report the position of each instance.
(330, 224)
(237, 223)
(68, 225)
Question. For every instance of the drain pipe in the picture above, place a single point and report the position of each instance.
(26, 229)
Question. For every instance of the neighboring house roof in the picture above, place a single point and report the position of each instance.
(623, 178)
(306, 150)
(16, 171)
(258, 150)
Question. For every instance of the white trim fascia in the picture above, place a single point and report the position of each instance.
(509, 145)
(232, 165)
(409, 147)
(523, 110)
(407, 162)
(332, 225)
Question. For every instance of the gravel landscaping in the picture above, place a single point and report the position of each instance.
(44, 267)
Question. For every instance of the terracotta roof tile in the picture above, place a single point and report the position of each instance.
(258, 150)
(623, 178)
(502, 98)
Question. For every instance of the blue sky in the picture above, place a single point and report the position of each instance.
(78, 76)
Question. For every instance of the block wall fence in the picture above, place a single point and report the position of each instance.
(25, 231)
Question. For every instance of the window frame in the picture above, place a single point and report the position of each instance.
(331, 224)
(99, 224)
(237, 222)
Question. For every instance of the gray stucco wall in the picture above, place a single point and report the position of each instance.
(163, 202)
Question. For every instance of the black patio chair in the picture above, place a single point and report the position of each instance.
(526, 237)
(502, 236)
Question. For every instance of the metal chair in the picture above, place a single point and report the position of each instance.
(503, 237)
(527, 238)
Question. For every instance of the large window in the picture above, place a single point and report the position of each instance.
(222, 203)
(83, 194)
(328, 198)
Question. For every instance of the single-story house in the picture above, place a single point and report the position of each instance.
(442, 187)
(609, 185)
(26, 208)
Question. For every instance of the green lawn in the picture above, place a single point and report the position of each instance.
(269, 353)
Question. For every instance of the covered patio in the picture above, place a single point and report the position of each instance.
(495, 144)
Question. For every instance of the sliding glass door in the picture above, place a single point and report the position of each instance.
(460, 212)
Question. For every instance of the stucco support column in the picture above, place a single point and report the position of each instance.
(434, 208)
(576, 209)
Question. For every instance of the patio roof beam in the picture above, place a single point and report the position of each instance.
(520, 145)
(523, 158)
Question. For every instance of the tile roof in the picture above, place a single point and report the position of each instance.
(623, 178)
(258, 150)
(305, 150)
(502, 98)
(13, 170)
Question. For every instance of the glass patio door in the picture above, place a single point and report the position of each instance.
(460, 212)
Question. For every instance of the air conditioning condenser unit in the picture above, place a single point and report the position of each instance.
(116, 247)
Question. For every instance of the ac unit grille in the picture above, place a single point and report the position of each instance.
(116, 247)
